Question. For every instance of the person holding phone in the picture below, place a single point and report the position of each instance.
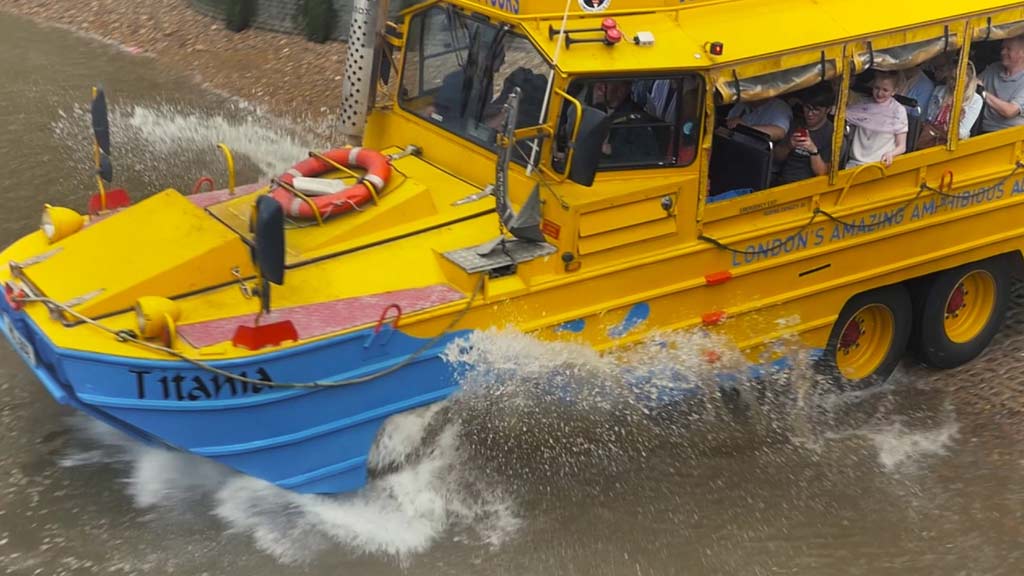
(807, 152)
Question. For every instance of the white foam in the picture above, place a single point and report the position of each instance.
(399, 513)
(166, 145)
(899, 447)
(401, 435)
(436, 472)
(167, 131)
(163, 477)
(521, 370)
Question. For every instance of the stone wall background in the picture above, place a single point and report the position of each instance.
(286, 15)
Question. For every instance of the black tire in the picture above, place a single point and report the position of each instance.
(933, 344)
(896, 300)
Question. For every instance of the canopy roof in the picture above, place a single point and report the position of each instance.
(748, 29)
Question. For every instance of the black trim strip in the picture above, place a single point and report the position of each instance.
(813, 270)
(299, 264)
(388, 240)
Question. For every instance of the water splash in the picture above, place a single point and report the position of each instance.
(156, 146)
(532, 418)
(418, 493)
(899, 447)
(167, 131)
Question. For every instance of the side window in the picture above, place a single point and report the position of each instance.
(772, 141)
(903, 101)
(773, 126)
(651, 121)
(986, 73)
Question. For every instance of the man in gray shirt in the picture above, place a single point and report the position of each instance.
(1003, 84)
(771, 116)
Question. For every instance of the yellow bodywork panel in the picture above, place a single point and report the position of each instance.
(163, 246)
(417, 197)
(631, 214)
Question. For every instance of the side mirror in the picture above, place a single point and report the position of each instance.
(268, 245)
(593, 131)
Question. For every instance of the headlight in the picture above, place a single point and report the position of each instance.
(156, 316)
(58, 222)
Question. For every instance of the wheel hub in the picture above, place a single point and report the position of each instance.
(865, 341)
(956, 301)
(851, 335)
(969, 306)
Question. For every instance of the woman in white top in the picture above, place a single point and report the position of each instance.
(940, 106)
(881, 124)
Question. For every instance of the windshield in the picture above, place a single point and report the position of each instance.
(459, 71)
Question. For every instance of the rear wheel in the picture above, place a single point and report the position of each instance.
(869, 338)
(962, 310)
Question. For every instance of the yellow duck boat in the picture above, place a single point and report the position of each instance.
(569, 173)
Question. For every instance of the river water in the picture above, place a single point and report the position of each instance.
(924, 476)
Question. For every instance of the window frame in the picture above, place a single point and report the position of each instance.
(677, 135)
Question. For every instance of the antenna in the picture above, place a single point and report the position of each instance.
(551, 81)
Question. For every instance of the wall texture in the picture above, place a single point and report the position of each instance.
(286, 15)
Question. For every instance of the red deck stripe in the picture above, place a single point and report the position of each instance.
(312, 320)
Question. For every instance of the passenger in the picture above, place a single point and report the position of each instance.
(452, 100)
(624, 143)
(533, 87)
(661, 100)
(917, 85)
(771, 116)
(1002, 88)
(881, 123)
(935, 128)
(808, 150)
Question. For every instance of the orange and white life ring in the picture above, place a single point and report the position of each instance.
(378, 170)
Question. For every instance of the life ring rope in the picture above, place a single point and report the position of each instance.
(366, 188)
(360, 179)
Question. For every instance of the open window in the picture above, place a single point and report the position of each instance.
(759, 107)
(993, 34)
(651, 121)
(914, 74)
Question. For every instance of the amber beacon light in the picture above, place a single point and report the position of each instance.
(155, 317)
(58, 222)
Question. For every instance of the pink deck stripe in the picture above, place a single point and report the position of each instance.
(205, 199)
(312, 320)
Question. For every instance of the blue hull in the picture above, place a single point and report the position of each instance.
(306, 440)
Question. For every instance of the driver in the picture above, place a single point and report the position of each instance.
(625, 143)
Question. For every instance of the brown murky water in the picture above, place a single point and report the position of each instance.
(922, 477)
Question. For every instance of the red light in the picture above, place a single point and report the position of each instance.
(609, 24)
(716, 48)
(613, 36)
(14, 296)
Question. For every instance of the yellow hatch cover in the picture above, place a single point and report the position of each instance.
(163, 246)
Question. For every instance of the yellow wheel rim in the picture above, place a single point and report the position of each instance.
(969, 306)
(865, 341)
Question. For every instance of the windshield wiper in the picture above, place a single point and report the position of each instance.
(479, 80)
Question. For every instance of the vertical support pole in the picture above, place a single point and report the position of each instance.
(361, 63)
(839, 121)
(953, 133)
